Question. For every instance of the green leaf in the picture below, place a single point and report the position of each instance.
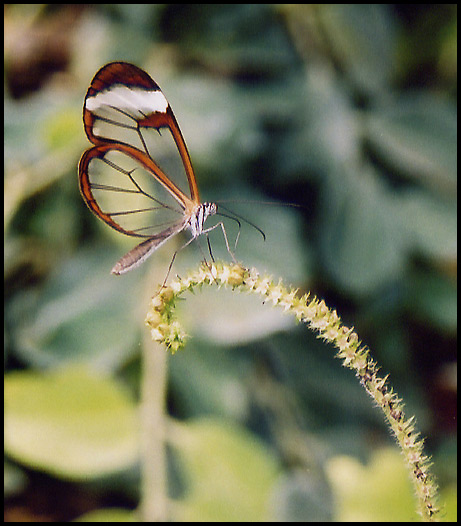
(83, 314)
(362, 240)
(380, 491)
(227, 318)
(417, 135)
(70, 423)
(362, 37)
(432, 224)
(229, 473)
(434, 298)
(209, 379)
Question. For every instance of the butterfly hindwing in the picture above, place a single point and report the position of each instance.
(120, 189)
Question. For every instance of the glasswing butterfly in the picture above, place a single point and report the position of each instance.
(125, 177)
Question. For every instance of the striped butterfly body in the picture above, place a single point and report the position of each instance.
(127, 178)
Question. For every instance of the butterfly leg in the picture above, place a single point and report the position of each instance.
(237, 237)
(169, 269)
(221, 224)
(174, 257)
(209, 247)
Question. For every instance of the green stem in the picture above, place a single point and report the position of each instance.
(327, 324)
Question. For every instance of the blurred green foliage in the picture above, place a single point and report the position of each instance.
(346, 110)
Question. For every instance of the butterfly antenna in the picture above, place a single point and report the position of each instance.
(234, 216)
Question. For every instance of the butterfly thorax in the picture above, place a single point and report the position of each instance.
(198, 218)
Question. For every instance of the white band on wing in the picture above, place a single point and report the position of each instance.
(128, 98)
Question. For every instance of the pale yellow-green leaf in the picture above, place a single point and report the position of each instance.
(229, 473)
(70, 423)
(379, 491)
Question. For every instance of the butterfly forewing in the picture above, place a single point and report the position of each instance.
(124, 105)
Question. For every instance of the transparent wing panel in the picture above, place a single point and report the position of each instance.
(130, 195)
(161, 147)
(118, 125)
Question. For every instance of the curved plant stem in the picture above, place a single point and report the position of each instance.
(327, 325)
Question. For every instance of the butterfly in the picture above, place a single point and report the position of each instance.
(125, 178)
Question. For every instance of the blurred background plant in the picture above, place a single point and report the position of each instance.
(347, 110)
